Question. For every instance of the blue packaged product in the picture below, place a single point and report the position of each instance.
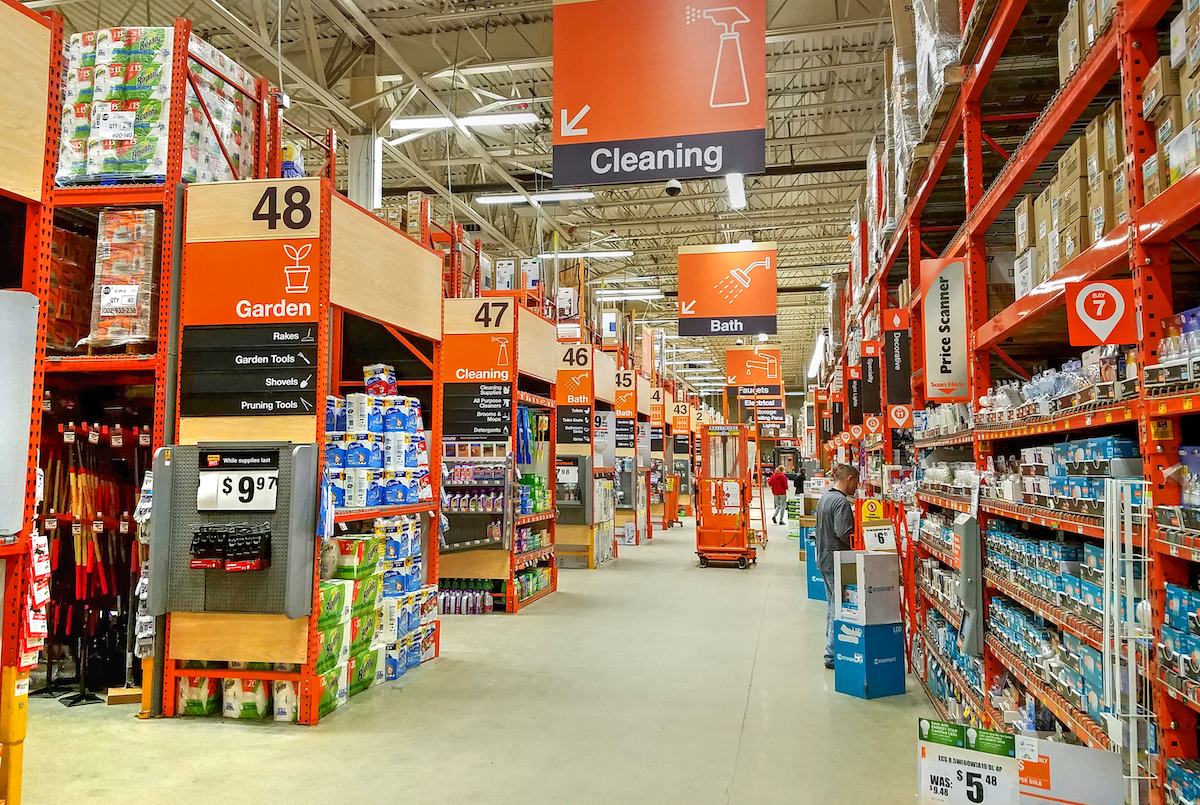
(337, 482)
(1072, 587)
(376, 486)
(393, 580)
(1179, 603)
(1091, 664)
(335, 449)
(1093, 595)
(1104, 448)
(412, 574)
(397, 661)
(414, 612)
(335, 419)
(413, 650)
(1093, 557)
(396, 543)
(364, 450)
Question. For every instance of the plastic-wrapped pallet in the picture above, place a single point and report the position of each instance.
(938, 42)
(68, 301)
(80, 61)
(227, 98)
(132, 87)
(905, 126)
(124, 298)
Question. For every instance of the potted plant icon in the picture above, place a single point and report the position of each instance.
(296, 274)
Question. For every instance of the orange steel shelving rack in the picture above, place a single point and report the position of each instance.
(1124, 49)
(18, 21)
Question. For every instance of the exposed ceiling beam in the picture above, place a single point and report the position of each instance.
(826, 29)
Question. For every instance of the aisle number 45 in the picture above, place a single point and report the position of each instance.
(625, 379)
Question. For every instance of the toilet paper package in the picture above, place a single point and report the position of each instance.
(378, 487)
(356, 487)
(412, 650)
(380, 379)
(400, 450)
(396, 661)
(337, 482)
(429, 641)
(335, 414)
(429, 604)
(335, 449)
(245, 698)
(198, 696)
(364, 449)
(364, 413)
(284, 700)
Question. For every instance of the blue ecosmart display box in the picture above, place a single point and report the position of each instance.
(816, 584)
(868, 660)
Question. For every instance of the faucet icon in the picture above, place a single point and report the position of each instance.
(768, 363)
(729, 80)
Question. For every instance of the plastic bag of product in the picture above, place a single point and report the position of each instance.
(245, 698)
(938, 42)
(124, 297)
(284, 700)
(198, 696)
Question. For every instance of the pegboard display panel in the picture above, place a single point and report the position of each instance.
(284, 588)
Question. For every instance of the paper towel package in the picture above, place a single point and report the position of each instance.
(198, 696)
(284, 700)
(245, 698)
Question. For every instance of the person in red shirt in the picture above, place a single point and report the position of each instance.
(779, 484)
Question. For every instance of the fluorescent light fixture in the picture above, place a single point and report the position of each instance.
(465, 122)
(745, 242)
(763, 337)
(541, 198)
(824, 285)
(685, 363)
(685, 349)
(611, 254)
(691, 371)
(735, 185)
(818, 353)
(619, 280)
(630, 296)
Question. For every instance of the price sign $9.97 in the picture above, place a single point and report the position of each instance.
(246, 482)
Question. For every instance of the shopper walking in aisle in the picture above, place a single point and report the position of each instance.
(835, 532)
(779, 484)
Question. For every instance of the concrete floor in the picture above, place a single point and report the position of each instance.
(648, 681)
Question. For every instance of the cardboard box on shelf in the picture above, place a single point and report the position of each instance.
(1072, 202)
(1120, 198)
(1187, 92)
(1024, 222)
(1041, 218)
(1100, 206)
(1114, 136)
(1053, 252)
(1179, 39)
(1154, 170)
(1094, 156)
(999, 298)
(1071, 164)
(1072, 241)
(1026, 272)
(1170, 120)
(1072, 41)
(1162, 82)
(1181, 153)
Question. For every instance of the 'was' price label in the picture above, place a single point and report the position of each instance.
(959, 765)
(238, 481)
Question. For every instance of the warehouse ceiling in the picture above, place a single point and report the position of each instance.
(356, 65)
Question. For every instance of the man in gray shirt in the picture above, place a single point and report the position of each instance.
(835, 532)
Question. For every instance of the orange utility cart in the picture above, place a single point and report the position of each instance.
(723, 532)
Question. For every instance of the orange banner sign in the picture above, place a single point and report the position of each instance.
(728, 289)
(478, 358)
(625, 403)
(662, 90)
(253, 281)
(744, 367)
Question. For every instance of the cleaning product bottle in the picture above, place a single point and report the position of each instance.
(729, 79)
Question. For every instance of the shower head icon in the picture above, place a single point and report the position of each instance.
(739, 280)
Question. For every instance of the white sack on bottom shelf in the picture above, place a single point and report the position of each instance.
(245, 698)
(198, 696)
(285, 700)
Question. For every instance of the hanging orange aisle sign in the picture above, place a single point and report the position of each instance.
(478, 360)
(625, 402)
(874, 424)
(681, 417)
(662, 90)
(1101, 312)
(728, 289)
(900, 416)
(754, 367)
(574, 379)
(657, 408)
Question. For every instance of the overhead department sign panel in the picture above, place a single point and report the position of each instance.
(663, 90)
(728, 289)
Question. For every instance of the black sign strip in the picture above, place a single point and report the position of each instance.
(897, 356)
(223, 336)
(728, 325)
(871, 386)
(655, 158)
(284, 404)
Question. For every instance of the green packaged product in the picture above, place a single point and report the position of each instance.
(333, 646)
(333, 602)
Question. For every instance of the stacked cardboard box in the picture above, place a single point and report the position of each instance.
(1025, 271)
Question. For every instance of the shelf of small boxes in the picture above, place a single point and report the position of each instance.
(940, 604)
(1078, 721)
(973, 696)
(947, 500)
(1070, 420)
(376, 451)
(962, 437)
(942, 549)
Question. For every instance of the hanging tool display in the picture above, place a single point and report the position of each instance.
(92, 476)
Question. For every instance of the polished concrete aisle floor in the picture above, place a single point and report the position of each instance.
(648, 681)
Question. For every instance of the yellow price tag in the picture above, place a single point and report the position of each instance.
(1187, 404)
(1107, 418)
(1162, 407)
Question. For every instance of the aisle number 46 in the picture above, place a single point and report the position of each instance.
(572, 356)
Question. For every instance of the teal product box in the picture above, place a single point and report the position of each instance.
(1105, 448)
(816, 584)
(1179, 603)
(1096, 705)
(868, 660)
(1093, 596)
(1091, 663)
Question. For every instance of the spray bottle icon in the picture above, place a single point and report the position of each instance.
(729, 81)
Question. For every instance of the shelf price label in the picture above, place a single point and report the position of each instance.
(238, 481)
(959, 765)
